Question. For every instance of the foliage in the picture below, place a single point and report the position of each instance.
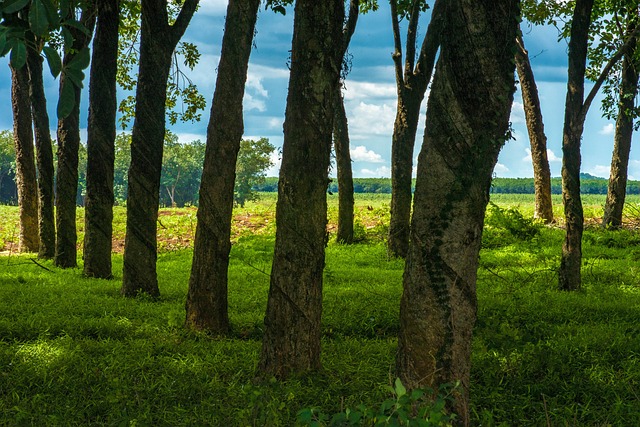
(39, 25)
(181, 171)
(254, 158)
(184, 101)
(512, 220)
(7, 168)
(420, 407)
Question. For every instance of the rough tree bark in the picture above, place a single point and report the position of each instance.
(411, 85)
(341, 142)
(537, 137)
(158, 40)
(206, 307)
(292, 322)
(569, 273)
(467, 122)
(44, 154)
(345, 172)
(617, 190)
(68, 146)
(101, 135)
(26, 181)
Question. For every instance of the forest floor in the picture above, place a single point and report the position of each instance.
(74, 352)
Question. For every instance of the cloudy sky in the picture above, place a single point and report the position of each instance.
(370, 95)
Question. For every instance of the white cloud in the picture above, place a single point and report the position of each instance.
(276, 159)
(250, 103)
(381, 172)
(517, 112)
(185, 137)
(254, 82)
(275, 122)
(607, 129)
(600, 170)
(371, 119)
(362, 154)
(369, 90)
(500, 168)
(551, 156)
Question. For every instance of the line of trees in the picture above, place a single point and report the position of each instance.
(468, 55)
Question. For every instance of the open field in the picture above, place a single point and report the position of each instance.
(74, 352)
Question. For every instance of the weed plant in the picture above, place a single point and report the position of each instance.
(73, 352)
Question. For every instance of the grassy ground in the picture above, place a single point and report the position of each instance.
(73, 352)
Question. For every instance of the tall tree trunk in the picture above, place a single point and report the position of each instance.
(101, 135)
(68, 146)
(537, 137)
(292, 322)
(617, 190)
(44, 155)
(467, 122)
(206, 305)
(569, 274)
(411, 84)
(26, 180)
(158, 40)
(345, 173)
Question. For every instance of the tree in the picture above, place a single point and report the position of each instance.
(206, 306)
(101, 133)
(181, 170)
(25, 160)
(341, 134)
(254, 158)
(537, 137)
(291, 340)
(7, 163)
(44, 150)
(617, 188)
(411, 81)
(158, 41)
(467, 124)
(69, 145)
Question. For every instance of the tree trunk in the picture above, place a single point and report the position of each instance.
(206, 307)
(412, 84)
(345, 173)
(569, 273)
(158, 40)
(622, 144)
(292, 322)
(101, 134)
(44, 155)
(68, 146)
(537, 137)
(467, 122)
(26, 181)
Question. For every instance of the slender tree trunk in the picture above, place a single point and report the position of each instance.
(412, 84)
(569, 273)
(101, 135)
(537, 137)
(467, 122)
(26, 181)
(622, 144)
(292, 322)
(44, 156)
(206, 306)
(68, 146)
(158, 40)
(345, 173)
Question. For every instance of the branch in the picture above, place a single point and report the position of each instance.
(430, 45)
(397, 54)
(605, 72)
(412, 31)
(182, 21)
(350, 26)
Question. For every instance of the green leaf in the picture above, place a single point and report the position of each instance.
(75, 76)
(52, 13)
(400, 389)
(12, 6)
(67, 100)
(53, 59)
(18, 54)
(3, 42)
(68, 39)
(81, 60)
(38, 21)
(78, 26)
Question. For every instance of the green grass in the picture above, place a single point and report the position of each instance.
(74, 352)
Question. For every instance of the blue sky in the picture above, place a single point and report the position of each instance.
(370, 95)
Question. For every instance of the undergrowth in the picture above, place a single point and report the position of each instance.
(74, 352)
